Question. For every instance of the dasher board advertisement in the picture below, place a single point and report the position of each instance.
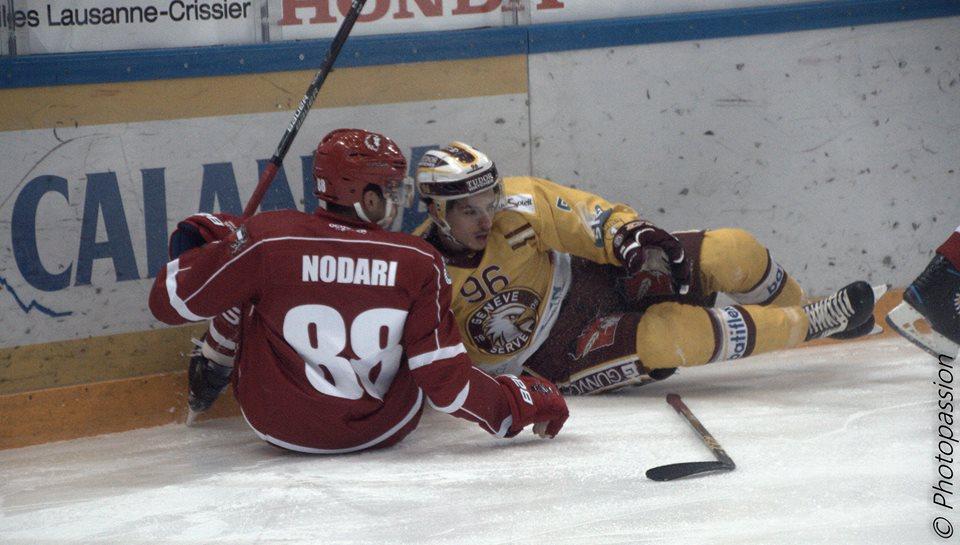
(60, 26)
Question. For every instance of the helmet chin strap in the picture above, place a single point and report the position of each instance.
(446, 234)
(389, 214)
(454, 244)
(360, 212)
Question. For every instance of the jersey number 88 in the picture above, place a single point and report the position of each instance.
(319, 334)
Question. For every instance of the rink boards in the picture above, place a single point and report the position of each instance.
(98, 172)
(148, 163)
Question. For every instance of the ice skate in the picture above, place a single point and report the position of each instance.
(870, 327)
(929, 315)
(208, 379)
(846, 314)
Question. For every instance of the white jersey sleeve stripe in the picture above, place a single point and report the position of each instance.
(504, 427)
(417, 362)
(176, 302)
(457, 403)
(500, 432)
(232, 315)
(221, 340)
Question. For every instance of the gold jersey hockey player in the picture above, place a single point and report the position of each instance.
(566, 285)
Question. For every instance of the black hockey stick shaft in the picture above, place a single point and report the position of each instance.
(714, 446)
(270, 172)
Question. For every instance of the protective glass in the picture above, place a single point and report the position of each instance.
(400, 192)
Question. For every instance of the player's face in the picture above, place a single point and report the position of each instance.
(471, 218)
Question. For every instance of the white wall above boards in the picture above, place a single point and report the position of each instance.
(838, 148)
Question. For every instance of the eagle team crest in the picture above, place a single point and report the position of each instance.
(506, 322)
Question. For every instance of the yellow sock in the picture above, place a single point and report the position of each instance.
(732, 261)
(677, 335)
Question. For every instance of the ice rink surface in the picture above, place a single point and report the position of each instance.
(834, 445)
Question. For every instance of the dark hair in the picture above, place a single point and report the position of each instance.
(346, 210)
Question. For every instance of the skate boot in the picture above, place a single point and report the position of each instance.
(208, 379)
(866, 328)
(929, 315)
(846, 314)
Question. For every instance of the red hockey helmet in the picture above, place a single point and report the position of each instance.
(348, 160)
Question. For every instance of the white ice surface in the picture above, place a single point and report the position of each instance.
(834, 445)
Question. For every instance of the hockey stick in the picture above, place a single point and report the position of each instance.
(687, 469)
(266, 178)
(270, 172)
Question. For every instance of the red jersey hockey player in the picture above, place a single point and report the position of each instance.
(346, 328)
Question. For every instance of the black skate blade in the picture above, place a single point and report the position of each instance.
(671, 472)
(869, 326)
(191, 417)
(878, 291)
(862, 330)
(193, 411)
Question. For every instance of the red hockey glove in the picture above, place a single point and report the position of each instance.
(199, 229)
(534, 401)
(635, 244)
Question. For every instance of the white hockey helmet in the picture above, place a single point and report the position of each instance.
(455, 172)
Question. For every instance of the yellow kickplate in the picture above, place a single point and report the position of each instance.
(57, 414)
(82, 361)
(187, 98)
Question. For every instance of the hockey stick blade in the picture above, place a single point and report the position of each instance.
(680, 470)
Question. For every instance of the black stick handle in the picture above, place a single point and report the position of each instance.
(266, 178)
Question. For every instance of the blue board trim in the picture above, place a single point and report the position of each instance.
(705, 25)
(153, 64)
